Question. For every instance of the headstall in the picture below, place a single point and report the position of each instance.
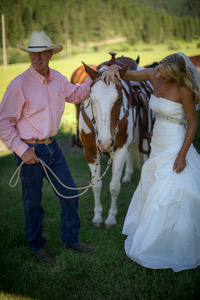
(92, 123)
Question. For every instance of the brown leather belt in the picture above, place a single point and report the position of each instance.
(46, 141)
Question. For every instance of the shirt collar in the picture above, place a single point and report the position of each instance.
(39, 77)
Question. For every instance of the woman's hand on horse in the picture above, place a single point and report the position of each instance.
(111, 72)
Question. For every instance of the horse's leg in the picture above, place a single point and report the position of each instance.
(75, 138)
(115, 185)
(90, 152)
(129, 168)
(129, 164)
(97, 186)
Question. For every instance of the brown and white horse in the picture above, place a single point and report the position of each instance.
(106, 125)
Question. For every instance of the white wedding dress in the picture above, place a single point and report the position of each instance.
(163, 219)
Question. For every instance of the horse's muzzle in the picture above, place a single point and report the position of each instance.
(105, 146)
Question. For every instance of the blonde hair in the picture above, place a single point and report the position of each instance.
(182, 73)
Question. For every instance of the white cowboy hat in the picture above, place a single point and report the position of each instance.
(39, 42)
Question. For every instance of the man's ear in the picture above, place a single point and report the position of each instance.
(51, 54)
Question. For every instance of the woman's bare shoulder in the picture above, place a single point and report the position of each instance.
(185, 93)
(187, 99)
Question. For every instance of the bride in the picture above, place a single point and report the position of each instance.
(163, 220)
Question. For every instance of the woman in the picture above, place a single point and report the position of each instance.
(163, 220)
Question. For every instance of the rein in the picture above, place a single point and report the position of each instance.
(45, 167)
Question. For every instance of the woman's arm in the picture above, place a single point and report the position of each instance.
(191, 117)
(141, 75)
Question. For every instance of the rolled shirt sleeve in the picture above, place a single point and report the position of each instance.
(77, 93)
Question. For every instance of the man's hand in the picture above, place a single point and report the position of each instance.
(29, 156)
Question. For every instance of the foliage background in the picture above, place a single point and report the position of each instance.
(83, 21)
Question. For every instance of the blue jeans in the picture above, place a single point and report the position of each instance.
(32, 182)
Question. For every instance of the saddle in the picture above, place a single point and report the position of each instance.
(120, 61)
(142, 91)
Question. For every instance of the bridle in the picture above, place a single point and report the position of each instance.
(92, 123)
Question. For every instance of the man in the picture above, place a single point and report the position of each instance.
(30, 115)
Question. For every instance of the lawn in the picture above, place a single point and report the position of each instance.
(106, 274)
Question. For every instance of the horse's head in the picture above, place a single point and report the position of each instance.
(106, 102)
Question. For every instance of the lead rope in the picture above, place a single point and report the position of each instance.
(45, 167)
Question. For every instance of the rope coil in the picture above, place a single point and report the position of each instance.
(45, 167)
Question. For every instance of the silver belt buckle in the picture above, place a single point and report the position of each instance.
(45, 142)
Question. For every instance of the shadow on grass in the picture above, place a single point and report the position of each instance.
(106, 274)
(21, 276)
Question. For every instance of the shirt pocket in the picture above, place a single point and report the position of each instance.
(60, 103)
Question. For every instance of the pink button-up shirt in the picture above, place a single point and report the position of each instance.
(32, 107)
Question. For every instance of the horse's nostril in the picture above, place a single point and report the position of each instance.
(99, 142)
(112, 143)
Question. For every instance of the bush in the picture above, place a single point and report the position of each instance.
(17, 56)
(173, 46)
(148, 49)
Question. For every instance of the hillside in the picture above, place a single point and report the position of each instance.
(175, 7)
(155, 21)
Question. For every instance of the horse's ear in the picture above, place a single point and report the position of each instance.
(91, 72)
(123, 70)
(138, 60)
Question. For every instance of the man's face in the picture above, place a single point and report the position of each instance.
(40, 61)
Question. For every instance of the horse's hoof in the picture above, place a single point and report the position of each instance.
(97, 225)
(126, 179)
(110, 221)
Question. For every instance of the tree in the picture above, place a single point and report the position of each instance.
(27, 20)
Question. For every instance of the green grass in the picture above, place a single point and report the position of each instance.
(106, 274)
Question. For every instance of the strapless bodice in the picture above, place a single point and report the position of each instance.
(167, 107)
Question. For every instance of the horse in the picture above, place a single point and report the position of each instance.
(196, 61)
(107, 125)
(78, 77)
(152, 65)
